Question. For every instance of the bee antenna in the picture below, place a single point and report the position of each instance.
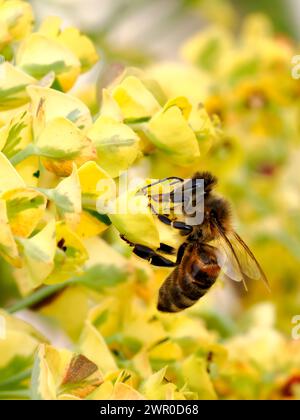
(210, 180)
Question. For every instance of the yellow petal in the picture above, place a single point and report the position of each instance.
(29, 170)
(67, 196)
(116, 143)
(167, 351)
(25, 208)
(195, 374)
(182, 79)
(20, 343)
(38, 55)
(13, 82)
(43, 381)
(69, 309)
(89, 226)
(18, 16)
(123, 391)
(60, 139)
(182, 103)
(93, 346)
(57, 104)
(154, 388)
(61, 143)
(203, 127)
(133, 219)
(110, 107)
(18, 134)
(90, 176)
(71, 256)
(134, 99)
(60, 374)
(9, 177)
(8, 246)
(170, 132)
(39, 253)
(81, 46)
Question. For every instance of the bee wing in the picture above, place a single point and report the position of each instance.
(236, 259)
(156, 189)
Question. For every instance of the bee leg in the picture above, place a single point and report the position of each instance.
(150, 255)
(166, 249)
(161, 261)
(180, 252)
(183, 227)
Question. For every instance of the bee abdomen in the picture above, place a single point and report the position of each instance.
(171, 297)
(182, 290)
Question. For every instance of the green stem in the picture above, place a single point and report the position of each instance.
(30, 150)
(38, 296)
(89, 203)
(15, 394)
(19, 377)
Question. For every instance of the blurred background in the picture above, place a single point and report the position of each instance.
(139, 30)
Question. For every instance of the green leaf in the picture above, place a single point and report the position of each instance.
(99, 277)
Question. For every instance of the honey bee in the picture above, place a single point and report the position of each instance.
(209, 248)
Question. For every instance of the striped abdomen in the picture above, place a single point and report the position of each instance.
(193, 277)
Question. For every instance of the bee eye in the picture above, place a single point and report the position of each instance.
(213, 214)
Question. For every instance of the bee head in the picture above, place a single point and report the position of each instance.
(217, 211)
(209, 179)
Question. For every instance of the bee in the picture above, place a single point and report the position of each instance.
(209, 248)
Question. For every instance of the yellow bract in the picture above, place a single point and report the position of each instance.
(61, 143)
(182, 103)
(89, 226)
(67, 197)
(92, 344)
(155, 388)
(16, 19)
(17, 134)
(171, 133)
(18, 345)
(61, 374)
(25, 208)
(69, 309)
(70, 256)
(39, 252)
(9, 177)
(38, 55)
(8, 247)
(97, 189)
(55, 104)
(117, 145)
(66, 53)
(195, 374)
(203, 127)
(131, 216)
(110, 107)
(80, 45)
(134, 99)
(13, 82)
(181, 79)
(94, 181)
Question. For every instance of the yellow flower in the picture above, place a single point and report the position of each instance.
(65, 52)
(117, 145)
(16, 20)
